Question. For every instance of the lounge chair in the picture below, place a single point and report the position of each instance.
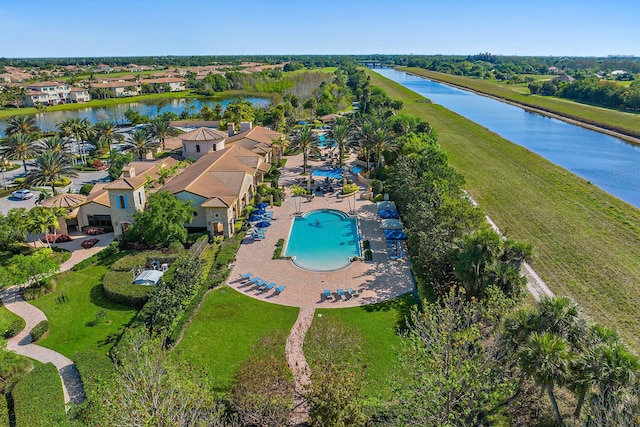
(246, 276)
(341, 292)
(352, 292)
(279, 290)
(255, 279)
(259, 284)
(269, 286)
(326, 294)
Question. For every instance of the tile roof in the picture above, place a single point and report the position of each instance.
(203, 134)
(98, 195)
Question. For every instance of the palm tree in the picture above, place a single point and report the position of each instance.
(341, 133)
(76, 130)
(58, 212)
(381, 142)
(279, 145)
(105, 132)
(160, 129)
(140, 142)
(56, 145)
(547, 358)
(49, 167)
(40, 220)
(19, 146)
(306, 140)
(561, 316)
(364, 131)
(21, 124)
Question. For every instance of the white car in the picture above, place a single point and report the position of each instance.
(22, 194)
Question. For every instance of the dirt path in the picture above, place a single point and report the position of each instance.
(298, 365)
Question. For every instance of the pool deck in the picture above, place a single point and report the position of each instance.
(376, 281)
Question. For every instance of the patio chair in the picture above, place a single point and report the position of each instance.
(352, 292)
(246, 276)
(255, 280)
(279, 290)
(259, 284)
(269, 286)
(341, 292)
(326, 294)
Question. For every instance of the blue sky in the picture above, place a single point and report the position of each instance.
(212, 27)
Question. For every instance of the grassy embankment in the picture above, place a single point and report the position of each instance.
(126, 100)
(618, 121)
(586, 242)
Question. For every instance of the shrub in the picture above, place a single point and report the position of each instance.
(56, 238)
(176, 247)
(118, 287)
(377, 186)
(277, 253)
(94, 368)
(93, 231)
(368, 255)
(37, 290)
(13, 328)
(86, 189)
(349, 189)
(366, 245)
(89, 243)
(377, 198)
(38, 399)
(39, 330)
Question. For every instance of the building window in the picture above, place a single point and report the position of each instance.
(216, 215)
(140, 197)
(122, 202)
(197, 148)
(99, 220)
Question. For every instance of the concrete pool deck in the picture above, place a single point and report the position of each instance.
(376, 281)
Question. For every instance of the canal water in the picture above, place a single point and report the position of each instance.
(608, 162)
(115, 113)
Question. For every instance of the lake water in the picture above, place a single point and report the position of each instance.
(115, 113)
(610, 163)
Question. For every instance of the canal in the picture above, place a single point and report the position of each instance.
(608, 162)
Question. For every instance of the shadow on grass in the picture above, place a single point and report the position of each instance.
(402, 305)
(97, 297)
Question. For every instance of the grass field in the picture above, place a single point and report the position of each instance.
(68, 330)
(377, 325)
(586, 242)
(627, 123)
(225, 328)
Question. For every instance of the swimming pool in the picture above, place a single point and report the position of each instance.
(331, 173)
(357, 169)
(325, 142)
(323, 240)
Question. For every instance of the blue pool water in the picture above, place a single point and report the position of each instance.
(325, 142)
(331, 173)
(357, 169)
(323, 240)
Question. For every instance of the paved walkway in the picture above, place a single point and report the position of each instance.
(298, 365)
(71, 383)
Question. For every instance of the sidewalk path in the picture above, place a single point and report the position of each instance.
(72, 386)
(298, 365)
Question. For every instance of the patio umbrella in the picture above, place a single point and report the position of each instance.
(395, 235)
(259, 212)
(391, 224)
(388, 213)
(386, 205)
(263, 224)
(262, 205)
(254, 218)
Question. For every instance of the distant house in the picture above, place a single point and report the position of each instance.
(618, 72)
(175, 84)
(54, 93)
(119, 89)
(564, 78)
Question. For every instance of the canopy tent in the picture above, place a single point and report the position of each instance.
(395, 235)
(391, 224)
(386, 205)
(388, 213)
(262, 205)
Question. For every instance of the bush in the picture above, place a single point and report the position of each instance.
(94, 368)
(118, 287)
(86, 189)
(277, 253)
(4, 411)
(366, 245)
(377, 186)
(176, 247)
(89, 243)
(368, 255)
(37, 290)
(377, 198)
(39, 330)
(56, 238)
(93, 231)
(13, 328)
(349, 189)
(38, 399)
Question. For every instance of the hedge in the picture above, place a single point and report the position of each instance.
(94, 368)
(4, 411)
(111, 249)
(38, 399)
(39, 330)
(13, 328)
(118, 287)
(142, 260)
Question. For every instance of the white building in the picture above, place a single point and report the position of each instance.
(54, 93)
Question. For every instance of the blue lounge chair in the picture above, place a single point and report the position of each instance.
(327, 294)
(279, 290)
(246, 276)
(260, 283)
(341, 292)
(255, 280)
(269, 286)
(352, 292)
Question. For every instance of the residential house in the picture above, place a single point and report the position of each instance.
(53, 93)
(119, 88)
(173, 83)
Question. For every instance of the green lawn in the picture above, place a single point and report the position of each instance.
(6, 317)
(225, 328)
(68, 332)
(586, 242)
(377, 325)
(627, 123)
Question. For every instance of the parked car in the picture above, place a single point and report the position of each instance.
(22, 194)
